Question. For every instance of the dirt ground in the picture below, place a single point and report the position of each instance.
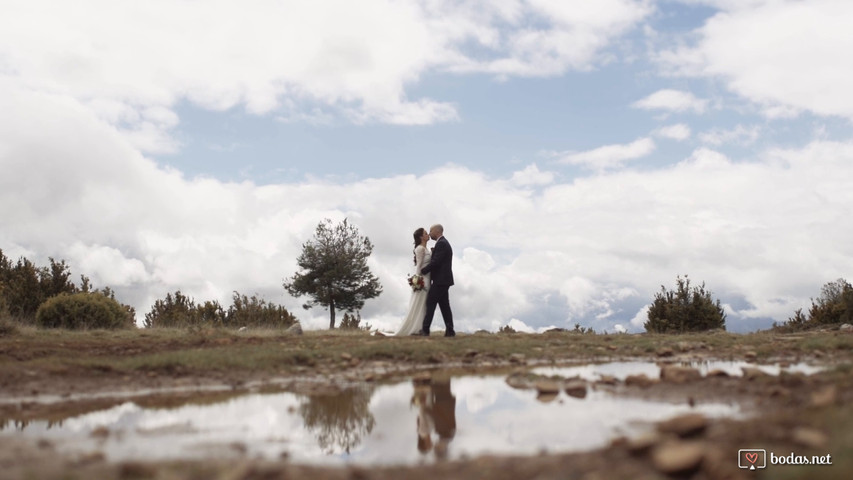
(792, 413)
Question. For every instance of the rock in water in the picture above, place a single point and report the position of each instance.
(678, 374)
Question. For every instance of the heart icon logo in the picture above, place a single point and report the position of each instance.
(751, 457)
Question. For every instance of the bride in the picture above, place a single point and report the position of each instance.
(417, 303)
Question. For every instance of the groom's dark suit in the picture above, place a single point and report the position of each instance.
(441, 268)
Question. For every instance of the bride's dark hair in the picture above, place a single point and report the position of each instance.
(417, 235)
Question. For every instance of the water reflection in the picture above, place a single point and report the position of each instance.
(339, 420)
(436, 415)
(403, 423)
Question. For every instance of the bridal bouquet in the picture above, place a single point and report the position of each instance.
(416, 282)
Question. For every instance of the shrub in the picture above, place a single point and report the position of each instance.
(506, 329)
(685, 309)
(173, 311)
(353, 322)
(80, 311)
(256, 312)
(833, 306)
(181, 311)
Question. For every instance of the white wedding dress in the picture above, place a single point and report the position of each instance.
(414, 320)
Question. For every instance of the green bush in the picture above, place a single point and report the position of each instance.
(181, 311)
(353, 322)
(506, 329)
(685, 310)
(81, 311)
(834, 306)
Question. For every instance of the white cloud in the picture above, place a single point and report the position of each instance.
(678, 131)
(532, 176)
(520, 326)
(610, 156)
(638, 320)
(672, 100)
(740, 134)
(133, 62)
(785, 56)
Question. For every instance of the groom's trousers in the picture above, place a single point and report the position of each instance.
(438, 295)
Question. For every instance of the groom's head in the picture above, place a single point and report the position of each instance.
(436, 231)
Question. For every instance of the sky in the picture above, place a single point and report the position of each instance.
(580, 155)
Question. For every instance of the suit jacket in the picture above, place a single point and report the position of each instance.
(441, 264)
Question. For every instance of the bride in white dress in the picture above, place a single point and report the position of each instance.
(417, 303)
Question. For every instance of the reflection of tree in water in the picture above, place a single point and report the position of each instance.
(339, 420)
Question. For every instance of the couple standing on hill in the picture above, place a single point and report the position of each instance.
(436, 268)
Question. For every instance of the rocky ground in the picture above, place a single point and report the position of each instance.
(792, 413)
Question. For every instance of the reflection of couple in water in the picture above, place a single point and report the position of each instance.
(437, 411)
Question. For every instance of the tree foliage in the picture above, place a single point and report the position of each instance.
(339, 421)
(334, 271)
(179, 310)
(684, 309)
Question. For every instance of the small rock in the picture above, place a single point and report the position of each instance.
(547, 387)
(295, 329)
(679, 374)
(346, 356)
(608, 379)
(750, 355)
(242, 329)
(640, 380)
(750, 373)
(642, 444)
(846, 327)
(664, 352)
(576, 388)
(809, 437)
(612, 347)
(673, 458)
(825, 397)
(717, 372)
(517, 358)
(518, 380)
(687, 425)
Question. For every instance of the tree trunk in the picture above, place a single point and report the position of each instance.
(331, 315)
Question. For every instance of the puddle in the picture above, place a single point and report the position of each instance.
(401, 423)
(621, 370)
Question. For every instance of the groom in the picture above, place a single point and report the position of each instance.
(441, 267)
